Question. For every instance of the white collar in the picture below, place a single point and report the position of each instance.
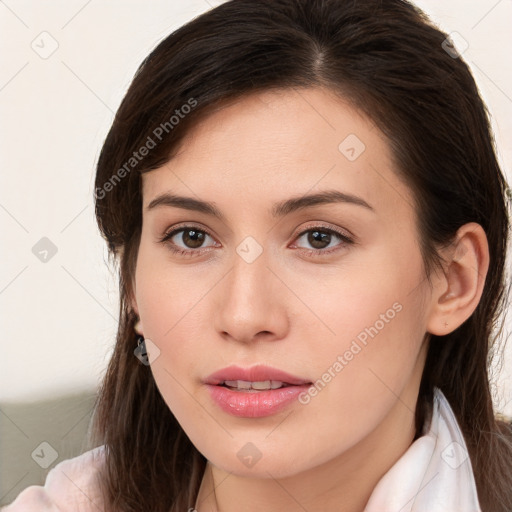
(434, 474)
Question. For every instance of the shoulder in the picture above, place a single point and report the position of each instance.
(72, 485)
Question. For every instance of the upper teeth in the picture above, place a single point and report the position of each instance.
(244, 384)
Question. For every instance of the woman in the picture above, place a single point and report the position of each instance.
(311, 226)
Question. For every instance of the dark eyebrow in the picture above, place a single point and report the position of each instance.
(325, 197)
(278, 210)
(186, 203)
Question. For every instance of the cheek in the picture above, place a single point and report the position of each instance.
(375, 299)
(374, 319)
(168, 294)
(170, 302)
(359, 381)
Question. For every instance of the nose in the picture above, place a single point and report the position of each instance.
(251, 303)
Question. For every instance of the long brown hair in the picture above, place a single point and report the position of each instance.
(389, 60)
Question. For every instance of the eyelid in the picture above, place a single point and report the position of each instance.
(169, 233)
(345, 235)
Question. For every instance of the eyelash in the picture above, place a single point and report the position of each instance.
(346, 240)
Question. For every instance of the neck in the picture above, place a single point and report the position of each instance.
(343, 484)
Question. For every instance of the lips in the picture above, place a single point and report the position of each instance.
(254, 392)
(259, 373)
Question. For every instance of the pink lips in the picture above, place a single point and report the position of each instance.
(251, 403)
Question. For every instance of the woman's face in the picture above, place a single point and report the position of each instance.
(329, 289)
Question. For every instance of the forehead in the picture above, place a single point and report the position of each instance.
(274, 143)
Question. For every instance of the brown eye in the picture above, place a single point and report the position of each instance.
(321, 241)
(193, 238)
(186, 240)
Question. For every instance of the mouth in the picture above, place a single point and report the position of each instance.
(254, 387)
(254, 392)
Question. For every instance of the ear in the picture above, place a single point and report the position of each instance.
(458, 291)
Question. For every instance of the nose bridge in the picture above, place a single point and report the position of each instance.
(250, 300)
(250, 275)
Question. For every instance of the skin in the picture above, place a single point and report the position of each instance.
(290, 309)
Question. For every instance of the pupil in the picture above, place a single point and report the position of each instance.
(319, 239)
(195, 238)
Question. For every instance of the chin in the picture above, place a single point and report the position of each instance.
(245, 460)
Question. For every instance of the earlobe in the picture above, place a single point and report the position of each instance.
(138, 327)
(457, 294)
(133, 304)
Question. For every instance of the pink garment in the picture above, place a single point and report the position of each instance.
(71, 486)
